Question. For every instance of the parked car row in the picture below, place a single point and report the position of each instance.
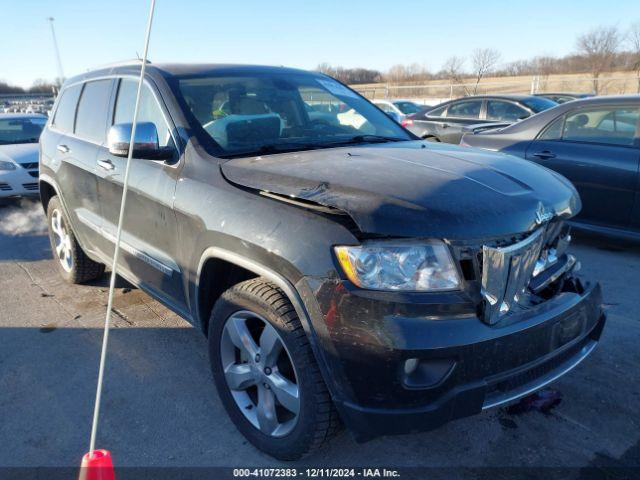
(41, 106)
(446, 122)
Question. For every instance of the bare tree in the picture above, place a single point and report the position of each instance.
(453, 70)
(599, 48)
(634, 44)
(483, 60)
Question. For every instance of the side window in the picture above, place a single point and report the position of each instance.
(553, 131)
(91, 119)
(499, 110)
(66, 111)
(436, 112)
(614, 126)
(149, 109)
(385, 107)
(470, 109)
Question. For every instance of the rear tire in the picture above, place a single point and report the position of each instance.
(73, 264)
(245, 312)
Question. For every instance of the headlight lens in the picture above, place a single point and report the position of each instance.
(423, 267)
(7, 165)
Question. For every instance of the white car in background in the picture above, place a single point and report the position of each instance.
(398, 109)
(19, 135)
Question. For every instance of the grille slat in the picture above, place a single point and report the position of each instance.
(30, 186)
(29, 165)
(5, 187)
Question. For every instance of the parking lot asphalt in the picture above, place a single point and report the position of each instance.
(160, 407)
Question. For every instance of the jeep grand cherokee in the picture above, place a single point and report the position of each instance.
(344, 271)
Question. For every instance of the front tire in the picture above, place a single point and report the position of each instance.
(73, 264)
(266, 374)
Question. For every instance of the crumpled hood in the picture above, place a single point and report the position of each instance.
(19, 153)
(416, 189)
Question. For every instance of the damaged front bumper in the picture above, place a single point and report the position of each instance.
(399, 363)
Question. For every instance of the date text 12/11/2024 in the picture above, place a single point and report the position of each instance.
(315, 473)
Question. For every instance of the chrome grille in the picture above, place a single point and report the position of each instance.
(506, 272)
(29, 165)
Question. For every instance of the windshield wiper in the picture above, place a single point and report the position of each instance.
(285, 147)
(273, 148)
(368, 139)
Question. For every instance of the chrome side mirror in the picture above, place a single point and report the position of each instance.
(145, 145)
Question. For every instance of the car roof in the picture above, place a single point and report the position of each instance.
(15, 116)
(506, 96)
(605, 99)
(183, 69)
(568, 94)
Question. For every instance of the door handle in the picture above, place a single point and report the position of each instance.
(106, 164)
(63, 148)
(545, 154)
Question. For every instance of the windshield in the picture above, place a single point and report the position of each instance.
(538, 104)
(21, 130)
(271, 113)
(408, 107)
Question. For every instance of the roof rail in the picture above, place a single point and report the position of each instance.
(120, 63)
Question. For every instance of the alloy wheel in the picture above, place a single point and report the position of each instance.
(62, 240)
(259, 373)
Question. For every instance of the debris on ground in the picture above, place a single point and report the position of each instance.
(543, 401)
(45, 295)
(49, 327)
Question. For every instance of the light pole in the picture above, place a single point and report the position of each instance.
(57, 52)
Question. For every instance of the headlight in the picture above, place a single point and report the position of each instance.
(7, 165)
(400, 265)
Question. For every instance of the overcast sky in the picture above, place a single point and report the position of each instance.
(303, 33)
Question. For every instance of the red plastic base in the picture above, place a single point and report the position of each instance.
(97, 465)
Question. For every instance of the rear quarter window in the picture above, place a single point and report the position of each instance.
(66, 112)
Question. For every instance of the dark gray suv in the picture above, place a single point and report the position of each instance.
(344, 271)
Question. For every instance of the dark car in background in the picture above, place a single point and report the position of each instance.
(341, 269)
(446, 122)
(564, 97)
(595, 143)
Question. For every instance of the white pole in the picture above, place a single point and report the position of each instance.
(56, 50)
(114, 266)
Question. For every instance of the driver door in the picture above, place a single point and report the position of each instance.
(149, 237)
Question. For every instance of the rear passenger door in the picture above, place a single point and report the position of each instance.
(80, 121)
(596, 148)
(149, 237)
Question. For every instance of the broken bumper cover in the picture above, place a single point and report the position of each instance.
(399, 373)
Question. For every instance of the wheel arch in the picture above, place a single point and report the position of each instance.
(233, 268)
(48, 190)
